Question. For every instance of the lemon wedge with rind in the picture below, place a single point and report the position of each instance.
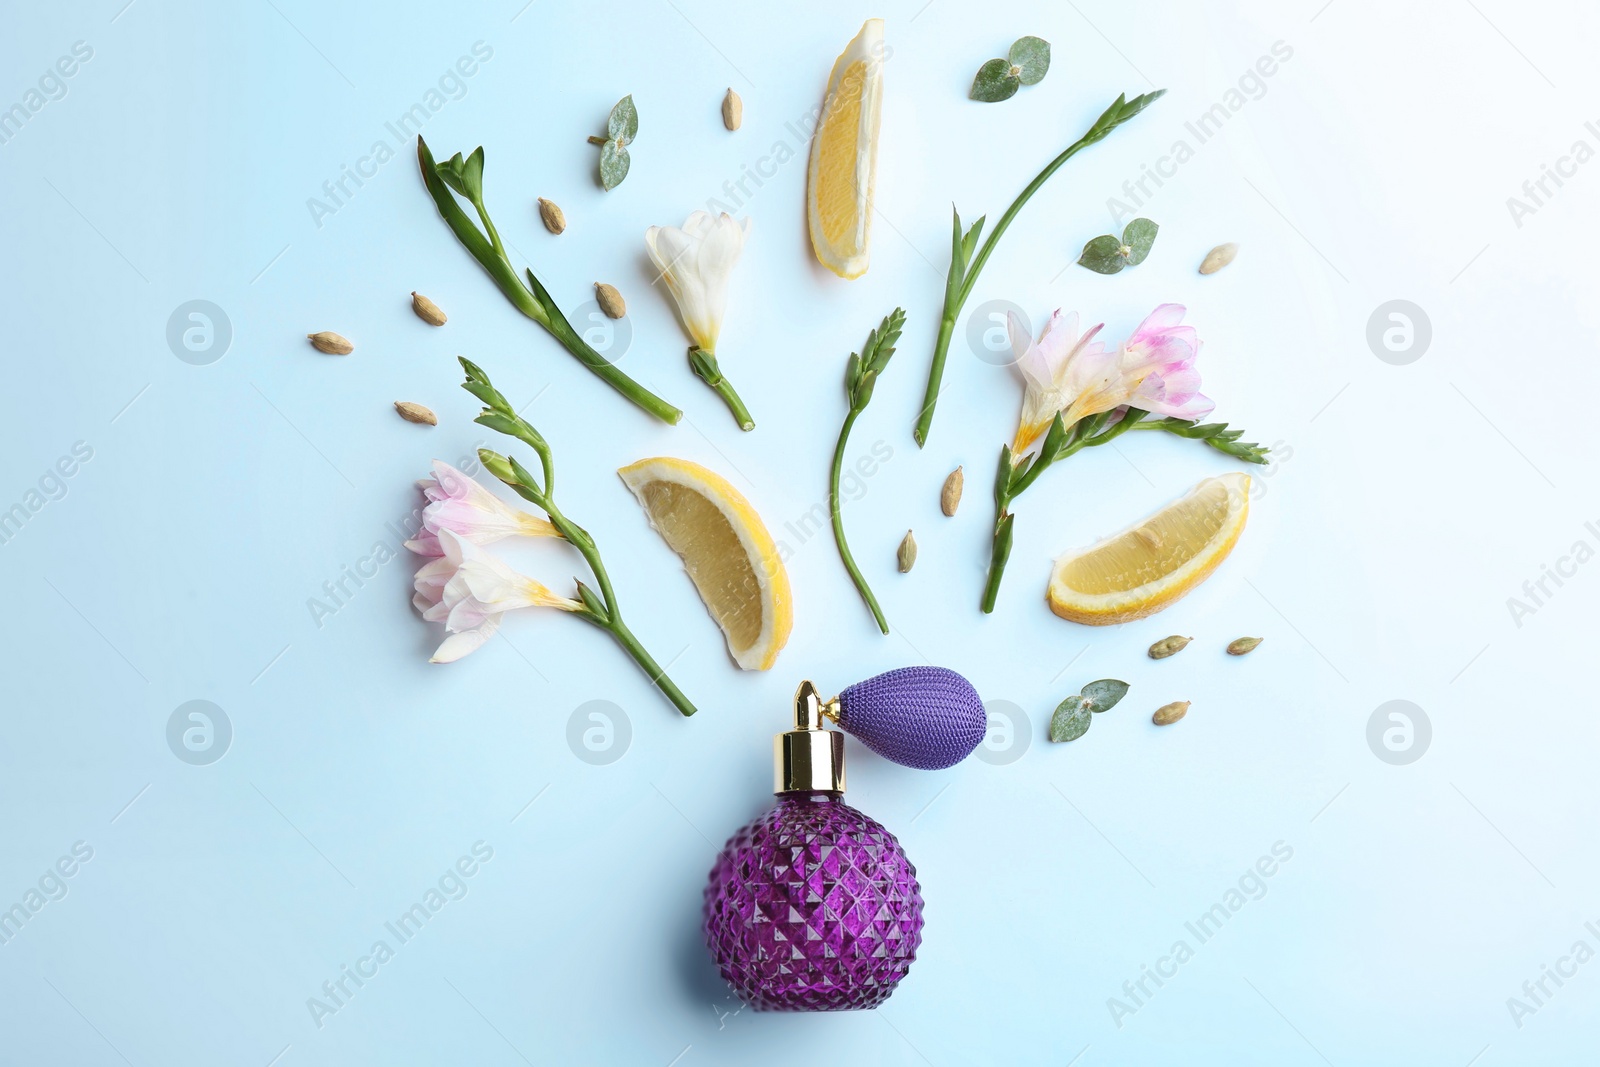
(726, 549)
(844, 156)
(1155, 562)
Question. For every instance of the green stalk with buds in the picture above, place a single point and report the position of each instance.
(465, 178)
(861, 374)
(965, 268)
(1013, 477)
(600, 608)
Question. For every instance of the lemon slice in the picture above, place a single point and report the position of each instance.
(844, 156)
(726, 549)
(1155, 562)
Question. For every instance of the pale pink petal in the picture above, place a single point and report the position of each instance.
(458, 645)
(1163, 317)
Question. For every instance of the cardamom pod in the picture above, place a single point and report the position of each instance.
(330, 342)
(950, 495)
(610, 300)
(906, 556)
(1243, 645)
(1168, 714)
(427, 310)
(415, 413)
(732, 110)
(1169, 646)
(554, 220)
(1219, 257)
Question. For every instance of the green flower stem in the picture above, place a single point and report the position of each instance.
(705, 365)
(861, 375)
(599, 609)
(962, 278)
(838, 526)
(531, 299)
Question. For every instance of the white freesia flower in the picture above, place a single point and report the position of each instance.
(469, 589)
(696, 263)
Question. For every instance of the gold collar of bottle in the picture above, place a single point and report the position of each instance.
(809, 758)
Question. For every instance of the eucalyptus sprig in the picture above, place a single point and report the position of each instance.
(965, 267)
(860, 376)
(622, 126)
(1108, 254)
(464, 176)
(1014, 476)
(600, 608)
(1074, 714)
(1026, 63)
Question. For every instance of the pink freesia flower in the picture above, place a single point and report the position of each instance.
(1076, 376)
(469, 589)
(459, 504)
(1158, 363)
(1058, 369)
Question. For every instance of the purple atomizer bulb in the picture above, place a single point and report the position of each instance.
(813, 906)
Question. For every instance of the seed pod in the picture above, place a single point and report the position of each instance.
(1243, 645)
(950, 495)
(906, 556)
(610, 300)
(331, 343)
(415, 413)
(1219, 257)
(427, 310)
(1169, 646)
(554, 220)
(732, 110)
(1168, 714)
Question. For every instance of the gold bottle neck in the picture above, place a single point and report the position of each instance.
(809, 758)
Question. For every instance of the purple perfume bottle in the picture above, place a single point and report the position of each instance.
(813, 906)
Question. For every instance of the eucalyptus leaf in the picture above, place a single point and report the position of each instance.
(994, 82)
(1103, 255)
(613, 164)
(1032, 56)
(623, 125)
(1104, 694)
(1071, 720)
(1139, 236)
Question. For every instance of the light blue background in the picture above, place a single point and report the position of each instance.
(1409, 503)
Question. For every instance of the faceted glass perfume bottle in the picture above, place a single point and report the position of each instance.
(813, 906)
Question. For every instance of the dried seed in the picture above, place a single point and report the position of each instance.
(427, 310)
(1169, 646)
(907, 553)
(610, 300)
(554, 220)
(1168, 714)
(732, 110)
(1243, 645)
(331, 343)
(950, 495)
(1219, 257)
(415, 413)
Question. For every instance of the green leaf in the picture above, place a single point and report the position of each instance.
(593, 602)
(1031, 55)
(1139, 236)
(1104, 694)
(1103, 255)
(623, 125)
(613, 165)
(970, 241)
(994, 82)
(1071, 720)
